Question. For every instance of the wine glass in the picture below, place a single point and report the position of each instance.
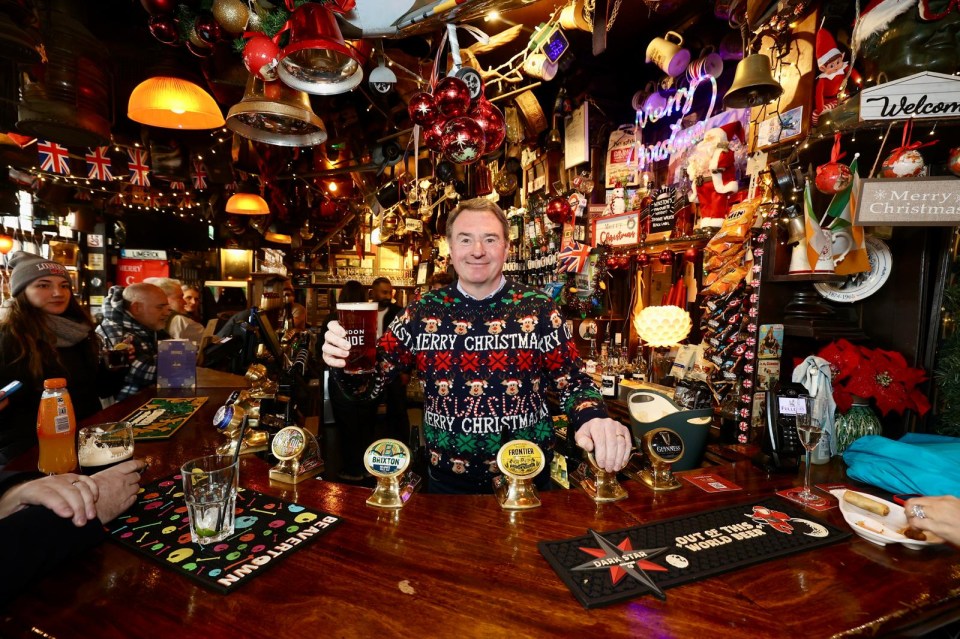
(809, 430)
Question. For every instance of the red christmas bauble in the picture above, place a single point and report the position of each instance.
(490, 119)
(833, 178)
(558, 210)
(261, 56)
(691, 254)
(452, 97)
(207, 28)
(666, 257)
(618, 262)
(423, 109)
(158, 7)
(953, 162)
(643, 259)
(903, 163)
(462, 140)
(433, 137)
(164, 28)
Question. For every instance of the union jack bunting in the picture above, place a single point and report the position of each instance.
(199, 175)
(139, 169)
(53, 157)
(573, 257)
(178, 186)
(82, 195)
(98, 164)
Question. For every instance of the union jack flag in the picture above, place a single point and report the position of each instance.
(178, 186)
(82, 195)
(98, 164)
(199, 175)
(573, 257)
(53, 157)
(139, 169)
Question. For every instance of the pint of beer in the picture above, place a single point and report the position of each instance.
(359, 319)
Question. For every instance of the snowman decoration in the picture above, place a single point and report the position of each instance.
(618, 202)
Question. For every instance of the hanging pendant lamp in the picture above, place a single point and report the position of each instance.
(317, 59)
(173, 103)
(247, 204)
(275, 113)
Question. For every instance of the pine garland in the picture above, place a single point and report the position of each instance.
(947, 372)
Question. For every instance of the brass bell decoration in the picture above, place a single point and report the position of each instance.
(274, 113)
(753, 85)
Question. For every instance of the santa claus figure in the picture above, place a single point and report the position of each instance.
(713, 173)
(834, 69)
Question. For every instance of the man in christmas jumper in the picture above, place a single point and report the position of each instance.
(487, 349)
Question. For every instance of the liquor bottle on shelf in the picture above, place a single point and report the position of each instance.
(639, 372)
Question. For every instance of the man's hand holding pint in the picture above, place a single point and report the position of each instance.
(336, 348)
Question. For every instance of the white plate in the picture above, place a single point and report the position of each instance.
(888, 526)
(857, 287)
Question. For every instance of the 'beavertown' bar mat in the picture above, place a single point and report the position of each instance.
(267, 530)
(601, 569)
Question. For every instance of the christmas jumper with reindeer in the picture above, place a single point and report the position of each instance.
(485, 366)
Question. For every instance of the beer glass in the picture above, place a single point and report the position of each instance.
(104, 445)
(359, 319)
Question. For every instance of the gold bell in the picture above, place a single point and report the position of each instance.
(753, 84)
(274, 113)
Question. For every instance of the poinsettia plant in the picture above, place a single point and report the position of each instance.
(876, 374)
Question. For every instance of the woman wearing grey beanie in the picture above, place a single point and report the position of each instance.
(45, 333)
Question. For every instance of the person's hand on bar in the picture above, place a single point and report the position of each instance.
(70, 496)
(938, 517)
(608, 439)
(118, 487)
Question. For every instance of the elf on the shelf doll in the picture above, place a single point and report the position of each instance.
(715, 184)
(833, 66)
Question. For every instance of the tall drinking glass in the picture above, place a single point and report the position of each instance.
(359, 319)
(210, 490)
(809, 430)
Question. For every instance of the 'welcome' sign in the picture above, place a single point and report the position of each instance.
(921, 96)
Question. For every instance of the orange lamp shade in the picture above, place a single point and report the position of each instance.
(247, 204)
(172, 103)
(6, 243)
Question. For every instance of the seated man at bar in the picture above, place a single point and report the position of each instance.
(179, 325)
(133, 315)
(486, 351)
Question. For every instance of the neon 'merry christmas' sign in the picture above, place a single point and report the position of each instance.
(680, 102)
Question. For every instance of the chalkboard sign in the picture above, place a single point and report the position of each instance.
(662, 210)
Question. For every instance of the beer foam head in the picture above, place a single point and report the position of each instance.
(357, 306)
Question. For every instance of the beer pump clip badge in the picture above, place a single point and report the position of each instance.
(663, 447)
(519, 461)
(387, 460)
(299, 455)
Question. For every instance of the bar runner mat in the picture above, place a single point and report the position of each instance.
(601, 569)
(267, 530)
(161, 417)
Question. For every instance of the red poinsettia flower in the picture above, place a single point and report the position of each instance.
(877, 374)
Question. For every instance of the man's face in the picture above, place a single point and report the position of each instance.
(478, 250)
(288, 296)
(152, 313)
(382, 293)
(176, 301)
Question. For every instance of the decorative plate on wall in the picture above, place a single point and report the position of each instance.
(861, 285)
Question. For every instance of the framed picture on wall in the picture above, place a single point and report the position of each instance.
(423, 272)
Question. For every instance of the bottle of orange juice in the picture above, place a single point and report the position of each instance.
(56, 429)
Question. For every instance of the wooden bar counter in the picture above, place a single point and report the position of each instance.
(462, 566)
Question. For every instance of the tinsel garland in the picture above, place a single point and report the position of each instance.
(947, 371)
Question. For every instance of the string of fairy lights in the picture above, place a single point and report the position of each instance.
(131, 197)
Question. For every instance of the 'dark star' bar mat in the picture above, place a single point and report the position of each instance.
(267, 530)
(601, 569)
(162, 416)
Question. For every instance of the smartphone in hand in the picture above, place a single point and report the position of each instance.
(10, 389)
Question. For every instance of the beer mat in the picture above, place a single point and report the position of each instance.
(267, 530)
(604, 568)
(821, 503)
(711, 483)
(162, 416)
